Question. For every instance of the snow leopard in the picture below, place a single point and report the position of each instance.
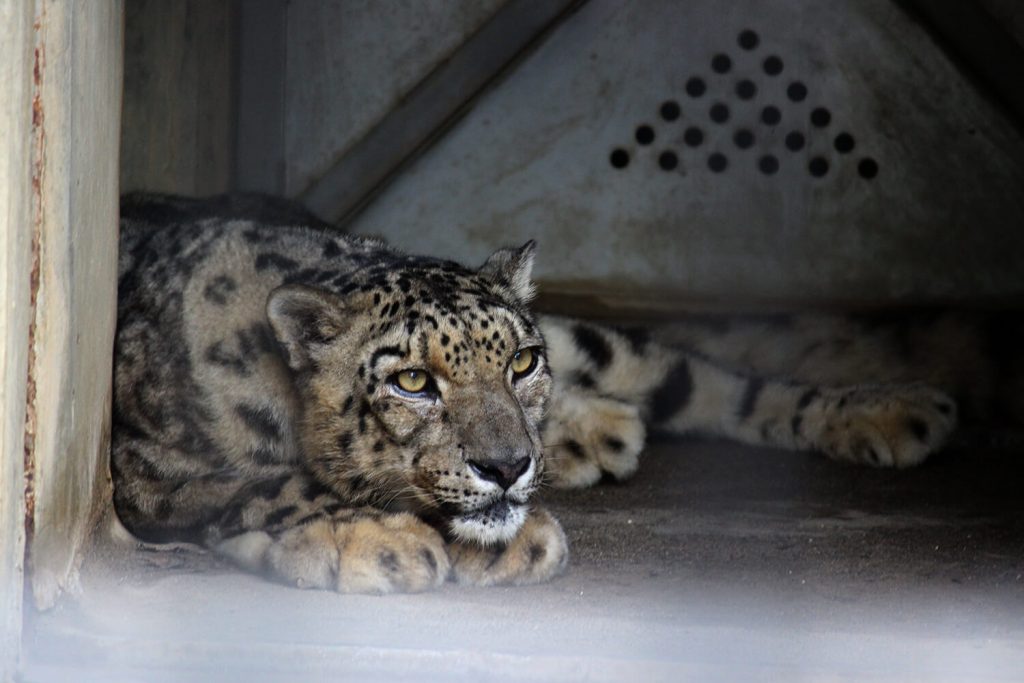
(330, 412)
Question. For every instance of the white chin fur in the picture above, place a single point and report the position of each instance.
(487, 527)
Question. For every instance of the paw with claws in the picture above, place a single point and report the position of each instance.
(887, 426)
(588, 436)
(536, 554)
(388, 553)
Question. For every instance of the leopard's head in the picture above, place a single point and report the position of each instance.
(423, 385)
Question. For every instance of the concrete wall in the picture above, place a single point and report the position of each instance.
(938, 222)
(349, 63)
(16, 42)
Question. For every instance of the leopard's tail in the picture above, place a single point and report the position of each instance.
(623, 373)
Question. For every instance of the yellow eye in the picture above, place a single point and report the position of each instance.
(413, 381)
(523, 361)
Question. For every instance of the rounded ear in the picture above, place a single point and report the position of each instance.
(304, 320)
(511, 269)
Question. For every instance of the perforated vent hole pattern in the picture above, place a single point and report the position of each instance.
(713, 137)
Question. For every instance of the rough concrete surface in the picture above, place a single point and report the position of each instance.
(716, 562)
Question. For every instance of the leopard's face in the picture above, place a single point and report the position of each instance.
(423, 389)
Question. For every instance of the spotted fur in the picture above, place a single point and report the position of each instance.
(258, 409)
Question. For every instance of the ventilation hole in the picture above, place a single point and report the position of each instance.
(670, 110)
(795, 141)
(717, 162)
(821, 117)
(748, 39)
(693, 136)
(773, 65)
(746, 89)
(818, 167)
(771, 115)
(719, 113)
(721, 64)
(695, 87)
(619, 158)
(743, 138)
(768, 164)
(867, 168)
(844, 143)
(797, 91)
(644, 135)
(668, 160)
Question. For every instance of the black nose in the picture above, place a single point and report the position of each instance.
(502, 473)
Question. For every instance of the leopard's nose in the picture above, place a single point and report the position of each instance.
(501, 472)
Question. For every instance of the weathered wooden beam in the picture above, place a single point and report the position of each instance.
(75, 135)
(16, 258)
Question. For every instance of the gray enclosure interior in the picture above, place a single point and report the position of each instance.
(742, 155)
(834, 156)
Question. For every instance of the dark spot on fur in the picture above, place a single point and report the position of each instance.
(614, 443)
(429, 558)
(260, 420)
(310, 518)
(331, 250)
(164, 510)
(268, 488)
(673, 394)
(795, 424)
(218, 289)
(919, 428)
(216, 355)
(389, 561)
(345, 442)
(806, 399)
(750, 395)
(595, 345)
(382, 352)
(262, 455)
(637, 337)
(278, 516)
(576, 449)
(537, 553)
(276, 261)
(314, 489)
(347, 405)
(584, 380)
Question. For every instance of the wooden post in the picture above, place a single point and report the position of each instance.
(76, 124)
(16, 42)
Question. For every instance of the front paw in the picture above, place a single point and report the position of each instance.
(387, 554)
(888, 426)
(537, 553)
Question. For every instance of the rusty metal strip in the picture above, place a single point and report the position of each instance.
(38, 165)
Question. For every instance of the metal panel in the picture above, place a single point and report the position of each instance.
(927, 205)
(349, 63)
(431, 106)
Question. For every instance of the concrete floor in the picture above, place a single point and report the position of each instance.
(716, 562)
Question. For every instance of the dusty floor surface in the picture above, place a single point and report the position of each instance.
(716, 562)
